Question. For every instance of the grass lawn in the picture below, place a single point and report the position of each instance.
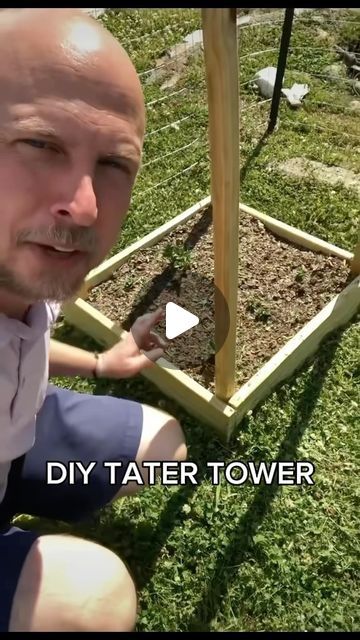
(248, 558)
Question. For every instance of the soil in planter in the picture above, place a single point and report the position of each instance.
(281, 287)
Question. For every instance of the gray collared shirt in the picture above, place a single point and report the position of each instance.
(24, 371)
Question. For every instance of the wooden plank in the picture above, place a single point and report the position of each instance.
(297, 236)
(197, 400)
(85, 317)
(355, 262)
(224, 416)
(302, 346)
(221, 63)
(107, 268)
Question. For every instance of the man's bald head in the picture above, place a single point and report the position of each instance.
(54, 50)
(72, 121)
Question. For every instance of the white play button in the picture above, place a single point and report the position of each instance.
(178, 320)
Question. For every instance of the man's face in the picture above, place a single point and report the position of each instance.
(67, 169)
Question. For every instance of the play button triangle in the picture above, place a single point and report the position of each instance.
(178, 320)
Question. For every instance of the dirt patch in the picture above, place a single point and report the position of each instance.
(303, 168)
(281, 287)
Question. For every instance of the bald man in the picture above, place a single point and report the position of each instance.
(72, 124)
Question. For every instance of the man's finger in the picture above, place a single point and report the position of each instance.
(154, 354)
(158, 340)
(148, 359)
(151, 341)
(143, 325)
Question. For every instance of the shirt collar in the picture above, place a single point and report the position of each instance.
(38, 320)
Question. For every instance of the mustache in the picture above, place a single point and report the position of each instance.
(81, 238)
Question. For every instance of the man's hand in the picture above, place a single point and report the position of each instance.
(139, 350)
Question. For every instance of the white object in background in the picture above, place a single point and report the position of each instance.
(296, 94)
(265, 81)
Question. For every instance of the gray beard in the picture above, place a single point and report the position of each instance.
(57, 289)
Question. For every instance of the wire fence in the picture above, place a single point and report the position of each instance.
(175, 171)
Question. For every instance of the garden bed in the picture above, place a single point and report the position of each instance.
(281, 287)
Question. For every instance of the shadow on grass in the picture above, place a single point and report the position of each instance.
(253, 155)
(241, 544)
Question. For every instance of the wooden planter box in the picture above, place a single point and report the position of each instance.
(196, 399)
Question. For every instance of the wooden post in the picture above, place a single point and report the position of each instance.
(355, 262)
(221, 63)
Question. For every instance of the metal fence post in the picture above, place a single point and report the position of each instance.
(281, 65)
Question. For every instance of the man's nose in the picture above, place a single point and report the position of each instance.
(81, 206)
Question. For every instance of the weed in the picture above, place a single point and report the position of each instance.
(179, 256)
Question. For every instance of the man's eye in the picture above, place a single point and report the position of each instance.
(38, 144)
(116, 164)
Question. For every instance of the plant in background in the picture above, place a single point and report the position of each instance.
(179, 256)
(258, 310)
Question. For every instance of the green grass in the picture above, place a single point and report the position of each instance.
(248, 558)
